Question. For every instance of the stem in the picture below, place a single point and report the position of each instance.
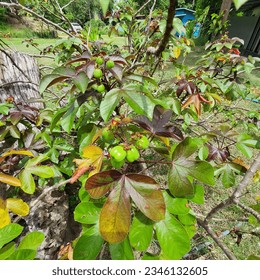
(213, 235)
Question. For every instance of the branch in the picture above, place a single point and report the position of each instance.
(249, 210)
(213, 235)
(21, 7)
(166, 36)
(65, 6)
(234, 198)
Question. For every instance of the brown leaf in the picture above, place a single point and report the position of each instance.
(159, 125)
(147, 196)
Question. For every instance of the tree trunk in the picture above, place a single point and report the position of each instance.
(19, 78)
(225, 8)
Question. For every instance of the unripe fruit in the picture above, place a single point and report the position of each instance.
(110, 64)
(132, 154)
(118, 153)
(142, 143)
(99, 60)
(97, 73)
(108, 135)
(101, 88)
(117, 164)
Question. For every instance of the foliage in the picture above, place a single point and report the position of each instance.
(117, 115)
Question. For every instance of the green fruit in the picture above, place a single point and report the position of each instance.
(108, 135)
(142, 143)
(101, 88)
(117, 164)
(99, 60)
(132, 154)
(97, 73)
(110, 64)
(118, 153)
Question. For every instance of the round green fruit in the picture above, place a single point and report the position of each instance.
(110, 64)
(101, 88)
(142, 143)
(97, 73)
(108, 135)
(117, 164)
(132, 154)
(118, 153)
(99, 60)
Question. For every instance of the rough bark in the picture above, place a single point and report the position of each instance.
(19, 78)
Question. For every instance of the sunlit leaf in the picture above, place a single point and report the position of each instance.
(173, 238)
(121, 251)
(146, 194)
(93, 159)
(109, 103)
(104, 5)
(9, 232)
(18, 206)
(18, 152)
(115, 216)
(27, 182)
(7, 251)
(141, 232)
(32, 241)
(87, 213)
(10, 180)
(4, 214)
(239, 3)
(88, 245)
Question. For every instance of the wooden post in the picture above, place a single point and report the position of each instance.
(19, 78)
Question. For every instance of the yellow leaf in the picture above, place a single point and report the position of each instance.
(93, 158)
(257, 198)
(176, 52)
(165, 140)
(18, 152)
(4, 215)
(10, 180)
(18, 206)
(257, 177)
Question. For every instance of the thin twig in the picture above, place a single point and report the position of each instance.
(213, 235)
(234, 198)
(249, 210)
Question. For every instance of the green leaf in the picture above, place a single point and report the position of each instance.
(35, 161)
(187, 220)
(81, 81)
(228, 177)
(180, 185)
(104, 6)
(41, 171)
(57, 116)
(32, 241)
(27, 181)
(9, 232)
(140, 103)
(150, 257)
(141, 232)
(173, 238)
(88, 245)
(23, 254)
(87, 213)
(14, 131)
(121, 251)
(253, 257)
(244, 149)
(244, 141)
(176, 206)
(49, 80)
(186, 148)
(239, 3)
(115, 217)
(109, 103)
(7, 251)
(69, 117)
(199, 195)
